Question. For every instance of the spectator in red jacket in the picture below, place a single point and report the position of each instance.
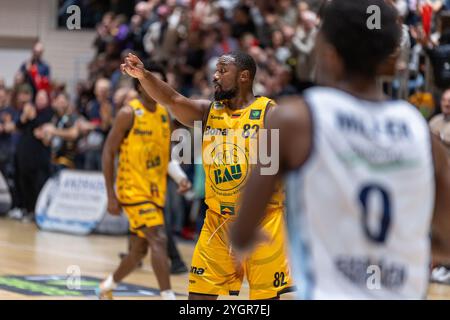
(36, 71)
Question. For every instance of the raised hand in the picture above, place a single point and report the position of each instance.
(28, 113)
(133, 66)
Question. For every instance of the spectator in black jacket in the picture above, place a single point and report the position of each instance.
(33, 152)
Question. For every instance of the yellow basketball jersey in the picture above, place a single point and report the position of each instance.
(230, 141)
(144, 157)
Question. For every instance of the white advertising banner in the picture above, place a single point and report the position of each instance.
(74, 202)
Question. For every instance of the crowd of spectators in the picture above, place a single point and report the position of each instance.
(43, 130)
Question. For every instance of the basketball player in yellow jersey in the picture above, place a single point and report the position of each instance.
(142, 134)
(215, 270)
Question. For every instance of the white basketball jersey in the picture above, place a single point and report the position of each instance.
(359, 211)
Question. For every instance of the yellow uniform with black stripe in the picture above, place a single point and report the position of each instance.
(142, 173)
(230, 141)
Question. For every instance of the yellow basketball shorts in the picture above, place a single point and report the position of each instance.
(215, 271)
(143, 215)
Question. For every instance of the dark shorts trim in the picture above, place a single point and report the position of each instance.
(140, 204)
(287, 290)
(203, 294)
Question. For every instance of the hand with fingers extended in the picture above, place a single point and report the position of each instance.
(133, 66)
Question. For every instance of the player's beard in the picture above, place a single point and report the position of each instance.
(225, 95)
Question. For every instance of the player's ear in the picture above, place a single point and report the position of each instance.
(245, 76)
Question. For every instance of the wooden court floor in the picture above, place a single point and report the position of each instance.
(25, 250)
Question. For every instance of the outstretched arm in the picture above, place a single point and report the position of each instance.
(185, 110)
(293, 122)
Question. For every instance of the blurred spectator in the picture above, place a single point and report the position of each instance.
(225, 43)
(63, 134)
(281, 51)
(99, 114)
(8, 116)
(440, 124)
(33, 151)
(36, 71)
(243, 22)
(204, 15)
(99, 110)
(285, 12)
(191, 61)
(161, 37)
(104, 32)
(440, 57)
(303, 42)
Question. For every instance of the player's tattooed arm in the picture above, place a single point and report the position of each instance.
(186, 110)
(292, 119)
(440, 234)
(122, 124)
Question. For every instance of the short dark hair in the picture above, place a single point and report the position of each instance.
(361, 48)
(62, 93)
(243, 62)
(154, 68)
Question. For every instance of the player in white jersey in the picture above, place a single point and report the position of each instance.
(366, 181)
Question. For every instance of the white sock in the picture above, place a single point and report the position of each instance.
(168, 295)
(108, 284)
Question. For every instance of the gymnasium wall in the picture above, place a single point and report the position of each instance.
(24, 21)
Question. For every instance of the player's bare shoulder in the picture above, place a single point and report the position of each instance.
(125, 117)
(292, 118)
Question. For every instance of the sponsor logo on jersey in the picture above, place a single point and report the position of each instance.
(227, 208)
(148, 211)
(197, 271)
(215, 131)
(139, 112)
(154, 162)
(255, 114)
(213, 117)
(140, 132)
(229, 167)
(231, 173)
(164, 118)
